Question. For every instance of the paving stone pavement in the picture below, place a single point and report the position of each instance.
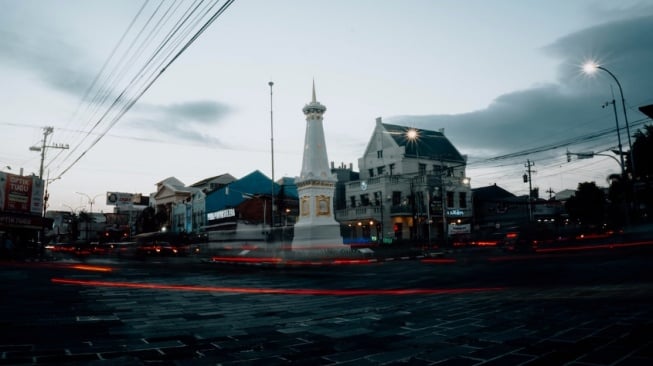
(223, 316)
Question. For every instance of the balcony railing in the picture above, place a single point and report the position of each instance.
(401, 210)
(356, 213)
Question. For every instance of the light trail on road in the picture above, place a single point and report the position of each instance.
(76, 266)
(277, 291)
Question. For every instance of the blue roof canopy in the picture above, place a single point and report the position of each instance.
(253, 184)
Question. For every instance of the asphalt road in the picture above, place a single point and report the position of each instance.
(473, 307)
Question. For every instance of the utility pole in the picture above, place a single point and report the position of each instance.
(44, 145)
(550, 192)
(528, 178)
(272, 155)
(47, 131)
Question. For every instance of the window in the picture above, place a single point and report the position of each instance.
(380, 170)
(379, 154)
(365, 199)
(462, 199)
(437, 170)
(421, 169)
(392, 168)
(371, 172)
(377, 198)
(396, 198)
(419, 204)
(449, 199)
(352, 201)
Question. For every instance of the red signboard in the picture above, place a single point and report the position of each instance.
(21, 193)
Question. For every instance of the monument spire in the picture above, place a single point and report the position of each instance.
(316, 226)
(315, 162)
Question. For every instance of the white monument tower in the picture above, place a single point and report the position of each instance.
(316, 227)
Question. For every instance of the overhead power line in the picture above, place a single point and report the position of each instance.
(170, 48)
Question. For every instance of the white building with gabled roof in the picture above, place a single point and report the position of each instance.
(412, 186)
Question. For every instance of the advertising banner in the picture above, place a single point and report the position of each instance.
(118, 198)
(21, 193)
(38, 188)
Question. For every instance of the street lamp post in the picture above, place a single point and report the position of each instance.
(591, 154)
(616, 120)
(590, 68)
(91, 202)
(272, 154)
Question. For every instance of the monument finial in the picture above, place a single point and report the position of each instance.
(314, 99)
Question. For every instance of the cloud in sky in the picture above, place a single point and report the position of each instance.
(55, 62)
(184, 122)
(62, 65)
(553, 112)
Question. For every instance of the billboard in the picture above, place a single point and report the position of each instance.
(119, 199)
(22, 194)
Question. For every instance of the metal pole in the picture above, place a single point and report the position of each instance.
(46, 132)
(428, 215)
(272, 154)
(621, 155)
(528, 165)
(444, 211)
(623, 105)
(630, 144)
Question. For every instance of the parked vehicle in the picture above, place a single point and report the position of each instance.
(125, 249)
(161, 248)
(521, 239)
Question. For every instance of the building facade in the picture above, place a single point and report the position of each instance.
(241, 212)
(412, 186)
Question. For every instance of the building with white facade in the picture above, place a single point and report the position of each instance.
(412, 186)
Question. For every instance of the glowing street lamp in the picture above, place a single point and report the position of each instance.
(590, 68)
(412, 134)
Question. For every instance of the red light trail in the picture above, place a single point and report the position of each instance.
(79, 267)
(593, 247)
(278, 291)
(439, 260)
(290, 262)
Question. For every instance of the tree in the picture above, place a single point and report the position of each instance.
(587, 206)
(618, 198)
(643, 154)
(643, 172)
(85, 221)
(146, 221)
(73, 229)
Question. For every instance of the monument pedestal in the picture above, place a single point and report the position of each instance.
(317, 236)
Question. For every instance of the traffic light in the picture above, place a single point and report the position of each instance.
(525, 177)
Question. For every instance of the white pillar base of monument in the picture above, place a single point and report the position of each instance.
(314, 236)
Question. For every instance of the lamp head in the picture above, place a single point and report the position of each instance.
(412, 134)
(590, 67)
